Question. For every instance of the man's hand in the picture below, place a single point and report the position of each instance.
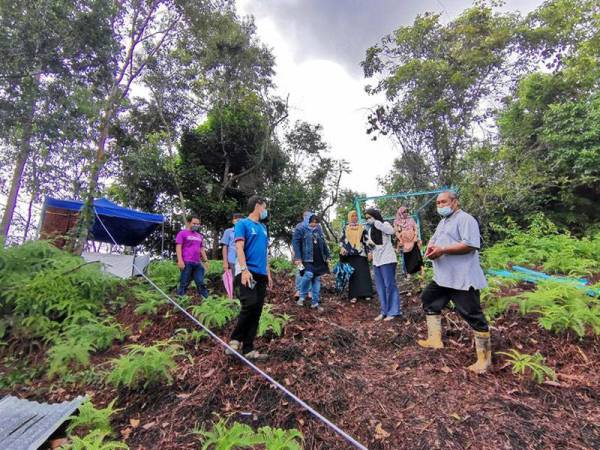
(270, 281)
(225, 267)
(298, 263)
(181, 264)
(343, 251)
(434, 252)
(246, 277)
(370, 257)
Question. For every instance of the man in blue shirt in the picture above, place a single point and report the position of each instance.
(252, 275)
(228, 244)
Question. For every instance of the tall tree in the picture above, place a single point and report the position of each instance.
(437, 79)
(50, 50)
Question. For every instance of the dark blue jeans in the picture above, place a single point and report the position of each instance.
(193, 271)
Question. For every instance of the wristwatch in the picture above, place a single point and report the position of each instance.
(243, 269)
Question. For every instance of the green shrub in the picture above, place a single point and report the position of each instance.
(66, 286)
(165, 274)
(542, 245)
(91, 418)
(214, 269)
(149, 301)
(101, 333)
(184, 335)
(216, 311)
(65, 355)
(561, 307)
(281, 265)
(493, 304)
(523, 363)
(272, 322)
(236, 436)
(145, 366)
(95, 440)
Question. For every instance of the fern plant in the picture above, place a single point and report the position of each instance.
(278, 439)
(542, 245)
(101, 333)
(523, 363)
(561, 307)
(145, 366)
(91, 418)
(238, 435)
(165, 274)
(281, 265)
(272, 322)
(95, 440)
(184, 335)
(215, 311)
(67, 354)
(226, 437)
(149, 301)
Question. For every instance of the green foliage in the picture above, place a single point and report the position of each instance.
(184, 335)
(145, 366)
(281, 265)
(561, 307)
(493, 303)
(67, 354)
(228, 437)
(272, 322)
(101, 333)
(216, 311)
(91, 418)
(18, 371)
(523, 363)
(150, 300)
(56, 287)
(165, 274)
(214, 269)
(542, 245)
(95, 440)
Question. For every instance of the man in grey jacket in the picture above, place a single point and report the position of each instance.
(457, 276)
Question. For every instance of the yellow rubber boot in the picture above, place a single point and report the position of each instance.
(483, 346)
(434, 332)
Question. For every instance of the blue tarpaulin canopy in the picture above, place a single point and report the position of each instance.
(126, 226)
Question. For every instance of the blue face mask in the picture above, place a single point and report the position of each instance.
(445, 211)
(264, 214)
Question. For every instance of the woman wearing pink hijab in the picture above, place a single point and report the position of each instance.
(407, 235)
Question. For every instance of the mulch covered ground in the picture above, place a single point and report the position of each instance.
(368, 377)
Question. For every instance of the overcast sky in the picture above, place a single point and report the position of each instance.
(318, 45)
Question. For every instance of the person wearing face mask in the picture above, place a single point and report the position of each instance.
(190, 249)
(311, 253)
(457, 276)
(407, 238)
(228, 244)
(355, 251)
(252, 276)
(379, 239)
(298, 277)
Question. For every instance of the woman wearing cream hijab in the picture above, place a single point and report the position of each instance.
(354, 251)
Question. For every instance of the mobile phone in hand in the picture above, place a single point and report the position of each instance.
(251, 283)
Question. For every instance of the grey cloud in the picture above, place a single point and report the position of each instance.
(342, 30)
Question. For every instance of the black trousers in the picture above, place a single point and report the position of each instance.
(252, 301)
(467, 303)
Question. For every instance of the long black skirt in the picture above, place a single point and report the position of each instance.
(360, 280)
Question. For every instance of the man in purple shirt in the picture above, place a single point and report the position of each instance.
(190, 250)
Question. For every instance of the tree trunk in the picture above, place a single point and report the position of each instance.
(22, 156)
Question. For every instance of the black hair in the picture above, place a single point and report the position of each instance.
(236, 215)
(255, 200)
(314, 218)
(190, 217)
